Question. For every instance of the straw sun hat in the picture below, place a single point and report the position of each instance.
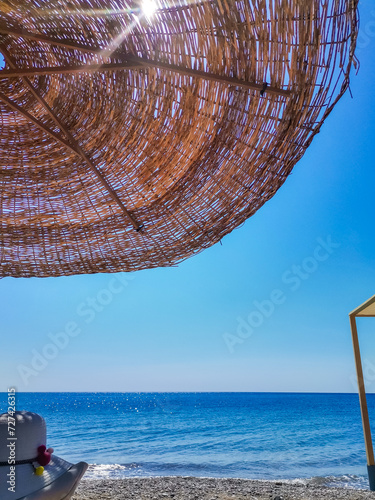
(28, 470)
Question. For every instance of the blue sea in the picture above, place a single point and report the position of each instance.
(309, 438)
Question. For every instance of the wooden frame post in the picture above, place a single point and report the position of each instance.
(365, 310)
(362, 393)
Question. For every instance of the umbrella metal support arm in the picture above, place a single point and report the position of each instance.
(361, 311)
(70, 143)
(131, 61)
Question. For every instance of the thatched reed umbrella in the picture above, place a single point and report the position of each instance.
(131, 141)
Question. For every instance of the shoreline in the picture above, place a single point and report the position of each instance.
(194, 488)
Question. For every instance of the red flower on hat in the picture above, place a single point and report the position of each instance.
(44, 455)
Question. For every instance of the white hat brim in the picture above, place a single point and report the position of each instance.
(64, 486)
(27, 482)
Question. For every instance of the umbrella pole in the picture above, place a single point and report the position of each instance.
(363, 404)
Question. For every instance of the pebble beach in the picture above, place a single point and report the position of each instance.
(191, 488)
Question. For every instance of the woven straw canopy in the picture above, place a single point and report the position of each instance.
(132, 140)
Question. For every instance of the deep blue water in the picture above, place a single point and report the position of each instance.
(300, 437)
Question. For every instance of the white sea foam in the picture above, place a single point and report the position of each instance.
(118, 471)
(111, 471)
(345, 481)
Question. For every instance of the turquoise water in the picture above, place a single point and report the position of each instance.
(298, 437)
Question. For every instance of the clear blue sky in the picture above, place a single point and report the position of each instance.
(178, 329)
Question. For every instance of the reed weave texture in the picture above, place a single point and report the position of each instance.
(131, 142)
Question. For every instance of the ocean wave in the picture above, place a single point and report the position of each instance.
(110, 471)
(122, 471)
(351, 481)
